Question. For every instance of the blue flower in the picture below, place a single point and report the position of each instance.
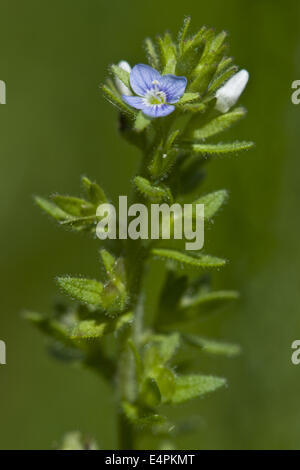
(156, 93)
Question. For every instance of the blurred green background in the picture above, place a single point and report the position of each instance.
(56, 126)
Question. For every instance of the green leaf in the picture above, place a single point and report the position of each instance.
(168, 53)
(141, 122)
(208, 65)
(183, 33)
(220, 79)
(50, 327)
(164, 156)
(166, 382)
(80, 223)
(212, 202)
(73, 206)
(221, 149)
(85, 290)
(115, 99)
(88, 329)
(190, 53)
(121, 74)
(213, 347)
(193, 386)
(114, 295)
(224, 64)
(193, 107)
(51, 209)
(153, 192)
(187, 97)
(152, 55)
(150, 394)
(141, 417)
(219, 124)
(196, 260)
(167, 345)
(208, 301)
(93, 191)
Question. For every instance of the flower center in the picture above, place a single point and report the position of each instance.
(155, 96)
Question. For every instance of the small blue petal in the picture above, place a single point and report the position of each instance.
(173, 86)
(156, 111)
(134, 101)
(141, 78)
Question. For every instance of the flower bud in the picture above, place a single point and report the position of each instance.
(229, 93)
(123, 89)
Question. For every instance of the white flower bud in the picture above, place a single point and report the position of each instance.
(229, 93)
(123, 89)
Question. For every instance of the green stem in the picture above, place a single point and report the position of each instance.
(135, 259)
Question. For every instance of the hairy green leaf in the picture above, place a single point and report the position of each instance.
(74, 206)
(150, 394)
(212, 346)
(221, 78)
(196, 260)
(219, 124)
(121, 74)
(85, 290)
(221, 149)
(115, 99)
(88, 329)
(153, 192)
(187, 97)
(183, 32)
(140, 416)
(209, 300)
(168, 53)
(49, 326)
(51, 209)
(193, 386)
(212, 202)
(93, 191)
(152, 55)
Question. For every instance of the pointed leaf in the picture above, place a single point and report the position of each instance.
(193, 386)
(183, 32)
(196, 260)
(85, 290)
(152, 55)
(212, 202)
(51, 209)
(212, 346)
(214, 298)
(220, 149)
(93, 191)
(220, 79)
(187, 97)
(88, 329)
(153, 192)
(117, 101)
(74, 206)
(121, 74)
(219, 124)
(140, 416)
(150, 395)
(168, 53)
